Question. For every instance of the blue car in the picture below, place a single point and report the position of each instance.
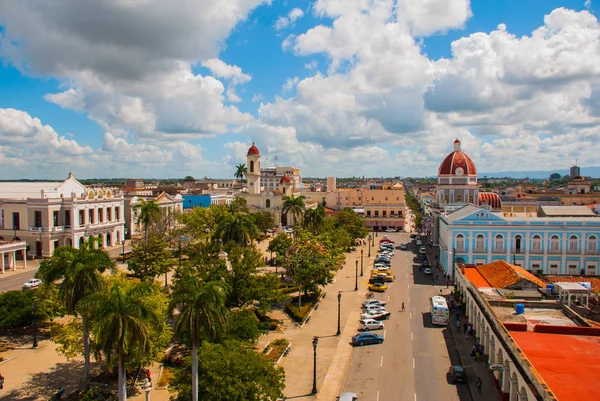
(367, 338)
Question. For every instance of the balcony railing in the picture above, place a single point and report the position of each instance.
(55, 229)
(479, 250)
(536, 251)
(518, 251)
(460, 250)
(499, 250)
(554, 251)
(573, 251)
(592, 252)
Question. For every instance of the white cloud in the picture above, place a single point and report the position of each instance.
(312, 65)
(230, 72)
(289, 20)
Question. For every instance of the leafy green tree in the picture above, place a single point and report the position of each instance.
(148, 212)
(294, 206)
(206, 260)
(81, 273)
(352, 223)
(189, 178)
(68, 338)
(16, 307)
(245, 284)
(239, 205)
(200, 222)
(242, 325)
(313, 218)
(310, 265)
(230, 371)
(264, 220)
(280, 245)
(555, 176)
(126, 315)
(238, 228)
(202, 313)
(150, 259)
(240, 171)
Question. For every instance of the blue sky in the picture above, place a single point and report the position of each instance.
(334, 87)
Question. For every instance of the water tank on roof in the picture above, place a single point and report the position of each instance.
(520, 309)
(549, 289)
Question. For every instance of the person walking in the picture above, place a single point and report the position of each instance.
(403, 307)
(479, 384)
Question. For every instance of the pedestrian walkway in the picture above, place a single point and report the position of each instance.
(32, 265)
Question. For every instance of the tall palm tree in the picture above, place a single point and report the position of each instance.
(241, 171)
(240, 228)
(124, 316)
(313, 218)
(202, 313)
(294, 206)
(148, 213)
(80, 271)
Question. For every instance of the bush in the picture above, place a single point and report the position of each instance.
(165, 378)
(277, 348)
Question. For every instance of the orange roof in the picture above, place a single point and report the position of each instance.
(500, 274)
(475, 277)
(568, 364)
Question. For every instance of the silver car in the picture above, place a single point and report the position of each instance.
(33, 283)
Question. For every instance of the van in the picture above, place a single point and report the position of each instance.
(348, 396)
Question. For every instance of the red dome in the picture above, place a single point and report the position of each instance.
(253, 151)
(490, 198)
(285, 178)
(457, 160)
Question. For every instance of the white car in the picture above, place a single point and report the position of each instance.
(376, 308)
(371, 324)
(427, 270)
(390, 230)
(375, 315)
(288, 230)
(386, 252)
(422, 250)
(33, 283)
(374, 302)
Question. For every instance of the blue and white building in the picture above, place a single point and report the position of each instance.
(564, 241)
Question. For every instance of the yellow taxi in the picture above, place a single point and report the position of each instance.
(377, 287)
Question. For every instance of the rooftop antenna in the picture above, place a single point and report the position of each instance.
(275, 159)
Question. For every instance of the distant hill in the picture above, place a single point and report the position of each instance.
(593, 171)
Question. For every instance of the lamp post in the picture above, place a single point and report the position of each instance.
(35, 342)
(361, 262)
(123, 254)
(339, 300)
(356, 280)
(314, 343)
(369, 245)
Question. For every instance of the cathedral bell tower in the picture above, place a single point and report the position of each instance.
(253, 166)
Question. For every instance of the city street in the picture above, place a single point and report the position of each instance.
(412, 362)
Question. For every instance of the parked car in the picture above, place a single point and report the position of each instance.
(377, 287)
(33, 283)
(427, 270)
(374, 302)
(385, 266)
(403, 247)
(383, 258)
(348, 396)
(425, 263)
(381, 269)
(377, 279)
(371, 324)
(376, 315)
(419, 242)
(457, 374)
(367, 338)
(127, 255)
(385, 262)
(386, 252)
(377, 308)
(422, 250)
(390, 230)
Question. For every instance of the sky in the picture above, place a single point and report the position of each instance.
(148, 88)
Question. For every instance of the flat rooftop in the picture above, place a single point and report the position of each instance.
(569, 364)
(533, 316)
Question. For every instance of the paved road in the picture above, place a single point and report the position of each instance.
(412, 362)
(15, 281)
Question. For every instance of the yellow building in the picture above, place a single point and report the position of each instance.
(47, 215)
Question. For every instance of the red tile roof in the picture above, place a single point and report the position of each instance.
(502, 275)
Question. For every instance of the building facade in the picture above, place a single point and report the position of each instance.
(47, 215)
(166, 202)
(270, 177)
(549, 245)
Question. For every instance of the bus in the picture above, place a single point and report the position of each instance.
(439, 310)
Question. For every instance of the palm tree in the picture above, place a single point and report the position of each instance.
(294, 206)
(148, 213)
(80, 271)
(240, 228)
(124, 316)
(313, 218)
(202, 313)
(241, 171)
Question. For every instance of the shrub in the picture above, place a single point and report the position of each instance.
(165, 377)
(277, 348)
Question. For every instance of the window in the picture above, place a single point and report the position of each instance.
(572, 269)
(368, 213)
(573, 243)
(591, 270)
(592, 243)
(376, 213)
(68, 218)
(268, 203)
(55, 218)
(458, 198)
(460, 241)
(81, 217)
(109, 214)
(535, 267)
(499, 242)
(372, 198)
(100, 215)
(554, 268)
(384, 213)
(91, 218)
(471, 199)
(479, 241)
(397, 198)
(251, 166)
(117, 213)
(554, 243)
(518, 243)
(536, 243)
(386, 198)
(37, 216)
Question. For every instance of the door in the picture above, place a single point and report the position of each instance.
(38, 249)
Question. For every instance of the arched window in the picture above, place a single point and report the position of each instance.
(554, 243)
(573, 243)
(268, 203)
(518, 244)
(536, 243)
(460, 241)
(252, 166)
(480, 242)
(499, 243)
(592, 245)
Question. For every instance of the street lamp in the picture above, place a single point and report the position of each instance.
(369, 245)
(339, 300)
(361, 262)
(35, 342)
(314, 343)
(123, 254)
(356, 281)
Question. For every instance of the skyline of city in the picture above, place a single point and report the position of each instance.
(81, 91)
